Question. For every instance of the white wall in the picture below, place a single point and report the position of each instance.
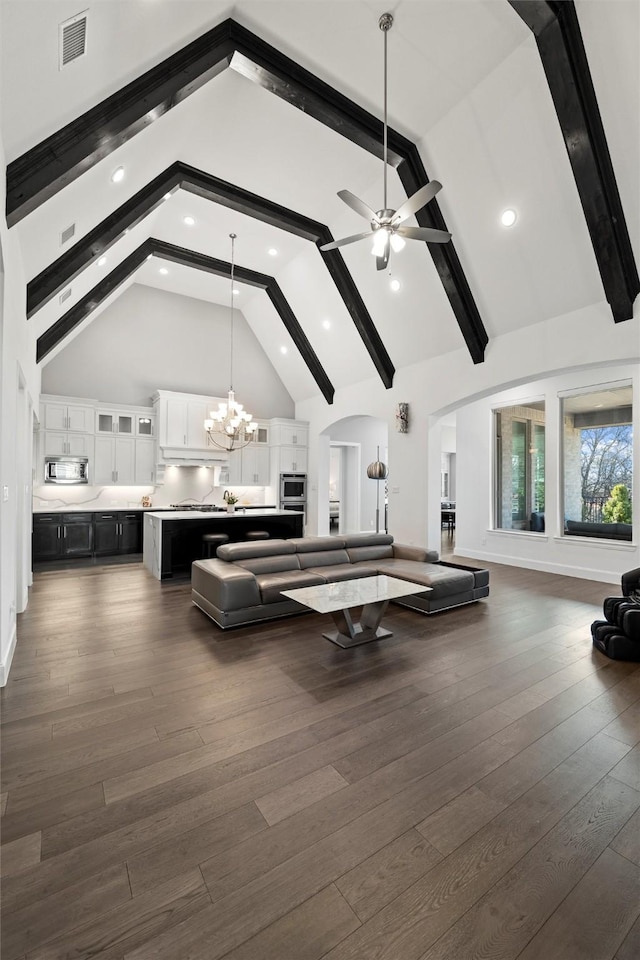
(150, 339)
(581, 341)
(19, 384)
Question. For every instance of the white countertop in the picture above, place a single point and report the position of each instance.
(238, 514)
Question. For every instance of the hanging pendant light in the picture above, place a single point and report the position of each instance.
(230, 427)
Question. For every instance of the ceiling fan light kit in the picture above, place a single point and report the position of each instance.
(386, 224)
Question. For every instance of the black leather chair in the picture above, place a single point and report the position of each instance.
(618, 637)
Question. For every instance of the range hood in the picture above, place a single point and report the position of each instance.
(196, 457)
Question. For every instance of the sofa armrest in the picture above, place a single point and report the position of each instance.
(402, 551)
(225, 585)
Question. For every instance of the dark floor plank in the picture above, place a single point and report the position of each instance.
(578, 931)
(325, 920)
(27, 929)
(382, 877)
(627, 842)
(116, 934)
(513, 911)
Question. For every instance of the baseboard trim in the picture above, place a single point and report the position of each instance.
(5, 665)
(544, 566)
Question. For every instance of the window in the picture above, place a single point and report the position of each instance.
(598, 463)
(519, 467)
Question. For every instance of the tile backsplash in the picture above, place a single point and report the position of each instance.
(182, 485)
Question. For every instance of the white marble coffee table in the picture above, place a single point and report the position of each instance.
(371, 593)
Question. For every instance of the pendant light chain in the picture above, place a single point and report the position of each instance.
(233, 237)
(385, 29)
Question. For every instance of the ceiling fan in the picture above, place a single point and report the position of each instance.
(386, 225)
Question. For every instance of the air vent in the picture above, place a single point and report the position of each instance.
(65, 295)
(72, 39)
(67, 233)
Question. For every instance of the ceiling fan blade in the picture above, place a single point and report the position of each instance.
(358, 205)
(383, 260)
(419, 199)
(341, 243)
(424, 233)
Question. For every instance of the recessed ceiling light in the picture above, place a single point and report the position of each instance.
(236, 292)
(117, 175)
(163, 270)
(189, 221)
(326, 324)
(283, 350)
(167, 196)
(149, 255)
(272, 252)
(102, 261)
(508, 217)
(395, 285)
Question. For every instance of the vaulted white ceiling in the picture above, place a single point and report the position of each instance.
(465, 84)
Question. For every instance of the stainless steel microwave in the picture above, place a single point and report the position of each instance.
(66, 470)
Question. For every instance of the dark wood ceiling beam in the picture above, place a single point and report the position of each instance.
(199, 261)
(61, 329)
(180, 175)
(557, 32)
(57, 161)
(412, 176)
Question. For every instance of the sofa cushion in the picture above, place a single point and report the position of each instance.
(322, 558)
(444, 581)
(376, 552)
(367, 540)
(314, 544)
(343, 571)
(270, 584)
(246, 549)
(269, 564)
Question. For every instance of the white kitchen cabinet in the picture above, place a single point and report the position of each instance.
(184, 423)
(114, 461)
(289, 433)
(255, 465)
(70, 417)
(292, 459)
(145, 461)
(145, 425)
(115, 422)
(62, 444)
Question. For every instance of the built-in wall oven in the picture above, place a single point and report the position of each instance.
(293, 486)
(293, 492)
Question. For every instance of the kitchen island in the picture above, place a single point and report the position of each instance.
(172, 541)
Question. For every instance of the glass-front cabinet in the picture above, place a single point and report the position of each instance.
(112, 422)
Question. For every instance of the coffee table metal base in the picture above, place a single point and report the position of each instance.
(352, 633)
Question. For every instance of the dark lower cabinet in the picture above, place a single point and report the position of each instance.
(58, 536)
(117, 533)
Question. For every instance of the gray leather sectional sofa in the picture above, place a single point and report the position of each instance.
(244, 583)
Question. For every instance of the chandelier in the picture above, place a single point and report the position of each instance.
(230, 427)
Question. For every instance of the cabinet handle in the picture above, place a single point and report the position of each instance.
(116, 476)
(295, 438)
(64, 532)
(58, 533)
(185, 439)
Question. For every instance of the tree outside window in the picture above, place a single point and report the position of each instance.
(598, 462)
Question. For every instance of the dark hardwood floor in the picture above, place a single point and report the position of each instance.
(469, 788)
